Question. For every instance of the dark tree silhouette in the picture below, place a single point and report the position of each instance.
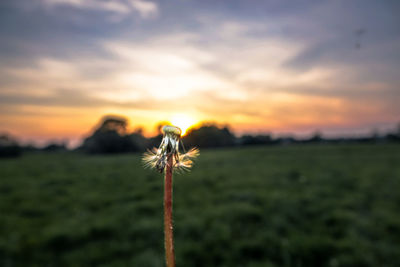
(112, 137)
(209, 135)
(55, 147)
(9, 146)
(255, 140)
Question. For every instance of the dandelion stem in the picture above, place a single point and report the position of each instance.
(168, 229)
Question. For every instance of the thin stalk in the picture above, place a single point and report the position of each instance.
(168, 228)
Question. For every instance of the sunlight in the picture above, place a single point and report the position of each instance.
(183, 121)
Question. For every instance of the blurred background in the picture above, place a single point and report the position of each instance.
(294, 106)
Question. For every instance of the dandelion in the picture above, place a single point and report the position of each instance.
(167, 158)
(169, 147)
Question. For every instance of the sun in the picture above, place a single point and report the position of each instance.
(183, 121)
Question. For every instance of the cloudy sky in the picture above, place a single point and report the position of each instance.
(260, 66)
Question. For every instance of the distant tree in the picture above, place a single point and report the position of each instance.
(255, 140)
(209, 135)
(30, 148)
(154, 141)
(286, 140)
(140, 143)
(113, 124)
(396, 132)
(394, 136)
(55, 147)
(315, 138)
(9, 146)
(112, 137)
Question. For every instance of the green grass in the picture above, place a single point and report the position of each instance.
(262, 206)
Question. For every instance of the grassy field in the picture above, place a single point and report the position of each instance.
(306, 205)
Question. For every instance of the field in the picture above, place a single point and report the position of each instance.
(303, 205)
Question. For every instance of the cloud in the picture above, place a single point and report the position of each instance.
(168, 71)
(72, 98)
(146, 9)
(110, 6)
(279, 71)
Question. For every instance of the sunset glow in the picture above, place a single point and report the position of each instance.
(256, 66)
(183, 121)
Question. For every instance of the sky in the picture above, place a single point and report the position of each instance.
(259, 66)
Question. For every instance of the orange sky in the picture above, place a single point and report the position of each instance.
(259, 68)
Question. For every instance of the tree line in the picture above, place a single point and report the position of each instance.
(111, 136)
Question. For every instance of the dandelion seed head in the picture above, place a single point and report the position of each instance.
(168, 129)
(185, 161)
(169, 147)
(150, 158)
